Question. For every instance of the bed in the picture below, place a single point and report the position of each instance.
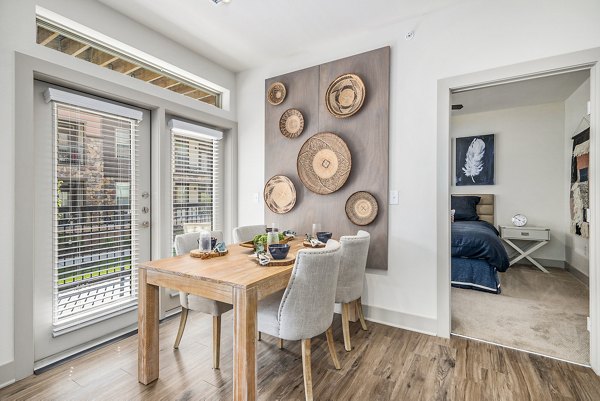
(477, 251)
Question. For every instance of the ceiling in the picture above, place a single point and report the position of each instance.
(551, 89)
(248, 33)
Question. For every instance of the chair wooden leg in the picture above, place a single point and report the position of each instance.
(216, 341)
(331, 346)
(361, 316)
(306, 370)
(182, 321)
(280, 343)
(346, 326)
(259, 336)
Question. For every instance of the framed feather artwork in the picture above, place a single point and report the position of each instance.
(475, 160)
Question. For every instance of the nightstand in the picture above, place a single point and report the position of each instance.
(540, 236)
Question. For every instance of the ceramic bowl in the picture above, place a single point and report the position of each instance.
(324, 236)
(279, 251)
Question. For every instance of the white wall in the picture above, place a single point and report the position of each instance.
(18, 33)
(529, 162)
(575, 108)
(471, 37)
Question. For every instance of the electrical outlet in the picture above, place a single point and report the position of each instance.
(394, 198)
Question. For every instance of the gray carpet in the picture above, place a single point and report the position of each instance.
(538, 312)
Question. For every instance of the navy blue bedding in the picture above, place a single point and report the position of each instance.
(475, 274)
(479, 240)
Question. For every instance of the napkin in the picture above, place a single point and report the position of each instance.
(315, 242)
(262, 257)
(220, 247)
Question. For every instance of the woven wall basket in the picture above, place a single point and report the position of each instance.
(345, 95)
(361, 208)
(324, 163)
(276, 93)
(291, 123)
(280, 194)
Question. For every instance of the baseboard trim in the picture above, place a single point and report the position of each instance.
(579, 275)
(7, 374)
(561, 264)
(421, 324)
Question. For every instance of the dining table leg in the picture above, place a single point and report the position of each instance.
(244, 343)
(147, 330)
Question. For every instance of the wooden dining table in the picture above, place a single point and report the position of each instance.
(235, 278)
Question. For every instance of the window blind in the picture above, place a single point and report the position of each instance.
(95, 239)
(196, 177)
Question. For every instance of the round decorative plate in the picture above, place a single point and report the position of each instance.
(291, 123)
(324, 163)
(280, 194)
(345, 95)
(361, 208)
(276, 93)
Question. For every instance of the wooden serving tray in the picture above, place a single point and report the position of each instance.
(307, 244)
(250, 244)
(289, 260)
(197, 253)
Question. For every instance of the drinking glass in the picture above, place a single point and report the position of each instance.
(316, 227)
(272, 238)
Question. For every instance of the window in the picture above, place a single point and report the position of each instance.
(122, 143)
(95, 240)
(76, 45)
(195, 156)
(70, 142)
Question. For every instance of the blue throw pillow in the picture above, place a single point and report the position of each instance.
(465, 207)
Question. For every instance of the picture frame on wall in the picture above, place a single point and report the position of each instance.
(475, 160)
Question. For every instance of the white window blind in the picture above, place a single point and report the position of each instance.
(196, 177)
(95, 241)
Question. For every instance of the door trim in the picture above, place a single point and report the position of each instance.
(563, 63)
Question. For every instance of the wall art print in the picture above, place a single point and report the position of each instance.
(580, 194)
(475, 160)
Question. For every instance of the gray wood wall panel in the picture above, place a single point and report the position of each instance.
(366, 134)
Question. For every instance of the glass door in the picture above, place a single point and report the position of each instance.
(92, 220)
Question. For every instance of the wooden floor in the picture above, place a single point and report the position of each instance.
(385, 364)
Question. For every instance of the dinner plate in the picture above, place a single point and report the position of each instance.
(324, 163)
(345, 95)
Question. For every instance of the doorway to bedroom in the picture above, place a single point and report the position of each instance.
(520, 208)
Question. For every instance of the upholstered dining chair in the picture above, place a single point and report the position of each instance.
(184, 243)
(247, 233)
(355, 249)
(305, 308)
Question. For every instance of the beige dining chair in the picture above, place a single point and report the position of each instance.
(355, 249)
(184, 243)
(305, 308)
(247, 233)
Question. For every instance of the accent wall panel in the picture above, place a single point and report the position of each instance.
(365, 133)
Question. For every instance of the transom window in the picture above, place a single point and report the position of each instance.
(71, 43)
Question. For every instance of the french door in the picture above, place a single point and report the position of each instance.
(92, 217)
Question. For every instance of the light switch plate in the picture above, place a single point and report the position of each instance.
(394, 197)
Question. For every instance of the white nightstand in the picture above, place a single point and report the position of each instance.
(541, 235)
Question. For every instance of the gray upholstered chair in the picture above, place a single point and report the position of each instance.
(247, 233)
(184, 243)
(355, 249)
(305, 308)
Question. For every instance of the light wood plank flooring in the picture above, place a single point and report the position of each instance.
(385, 364)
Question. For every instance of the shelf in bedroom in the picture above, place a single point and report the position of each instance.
(538, 236)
